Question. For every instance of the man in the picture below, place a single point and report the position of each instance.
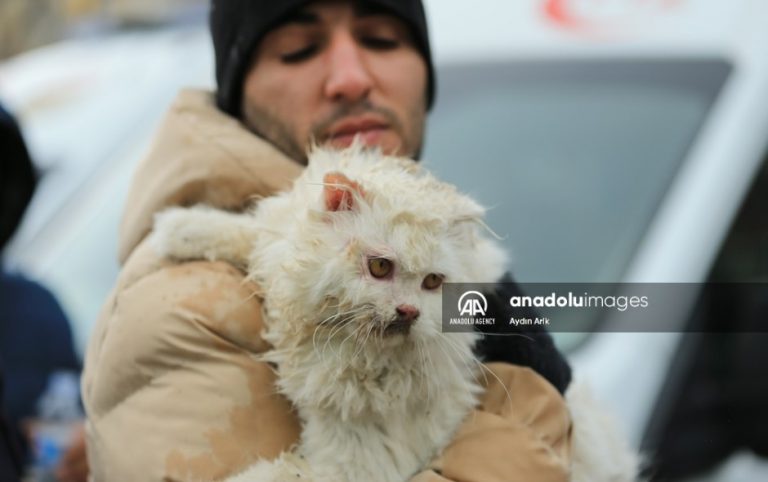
(172, 389)
(326, 73)
(35, 336)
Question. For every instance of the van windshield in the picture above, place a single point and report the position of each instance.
(572, 157)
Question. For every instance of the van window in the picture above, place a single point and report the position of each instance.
(573, 158)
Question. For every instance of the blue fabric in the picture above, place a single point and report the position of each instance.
(10, 460)
(35, 341)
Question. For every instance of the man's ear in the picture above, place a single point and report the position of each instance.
(339, 192)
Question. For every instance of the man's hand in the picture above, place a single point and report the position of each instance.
(73, 466)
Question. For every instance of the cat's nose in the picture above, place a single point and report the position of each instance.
(407, 313)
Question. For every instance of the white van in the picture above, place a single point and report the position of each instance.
(616, 140)
(627, 141)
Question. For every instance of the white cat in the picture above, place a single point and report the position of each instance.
(351, 261)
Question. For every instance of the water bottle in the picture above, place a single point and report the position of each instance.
(58, 417)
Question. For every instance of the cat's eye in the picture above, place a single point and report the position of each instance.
(380, 267)
(432, 281)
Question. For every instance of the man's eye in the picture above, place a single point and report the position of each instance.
(380, 43)
(299, 55)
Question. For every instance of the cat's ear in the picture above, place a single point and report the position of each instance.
(339, 192)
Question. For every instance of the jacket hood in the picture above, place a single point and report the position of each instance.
(201, 155)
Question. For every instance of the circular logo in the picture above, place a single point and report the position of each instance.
(472, 303)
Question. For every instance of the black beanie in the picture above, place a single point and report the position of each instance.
(237, 26)
(17, 177)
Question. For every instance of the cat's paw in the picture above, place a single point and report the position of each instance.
(178, 234)
(202, 232)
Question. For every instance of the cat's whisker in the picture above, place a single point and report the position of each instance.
(346, 320)
(509, 396)
(359, 327)
(344, 315)
(483, 369)
(319, 325)
(364, 341)
(423, 363)
(432, 369)
(371, 329)
(314, 337)
(488, 370)
(361, 317)
(361, 346)
(455, 364)
(474, 359)
(334, 331)
(424, 372)
(329, 319)
(458, 348)
(352, 311)
(332, 318)
(356, 313)
(326, 306)
(490, 230)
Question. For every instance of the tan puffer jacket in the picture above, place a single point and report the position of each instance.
(171, 389)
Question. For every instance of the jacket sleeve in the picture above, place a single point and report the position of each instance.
(171, 387)
(521, 431)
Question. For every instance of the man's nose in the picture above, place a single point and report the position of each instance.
(349, 78)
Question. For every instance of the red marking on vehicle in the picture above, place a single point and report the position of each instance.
(562, 13)
(559, 12)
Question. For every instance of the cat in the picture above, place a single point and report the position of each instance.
(351, 261)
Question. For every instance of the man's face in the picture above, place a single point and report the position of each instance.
(334, 70)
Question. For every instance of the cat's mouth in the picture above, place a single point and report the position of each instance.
(401, 324)
(397, 327)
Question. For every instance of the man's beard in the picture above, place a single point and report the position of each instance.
(263, 123)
